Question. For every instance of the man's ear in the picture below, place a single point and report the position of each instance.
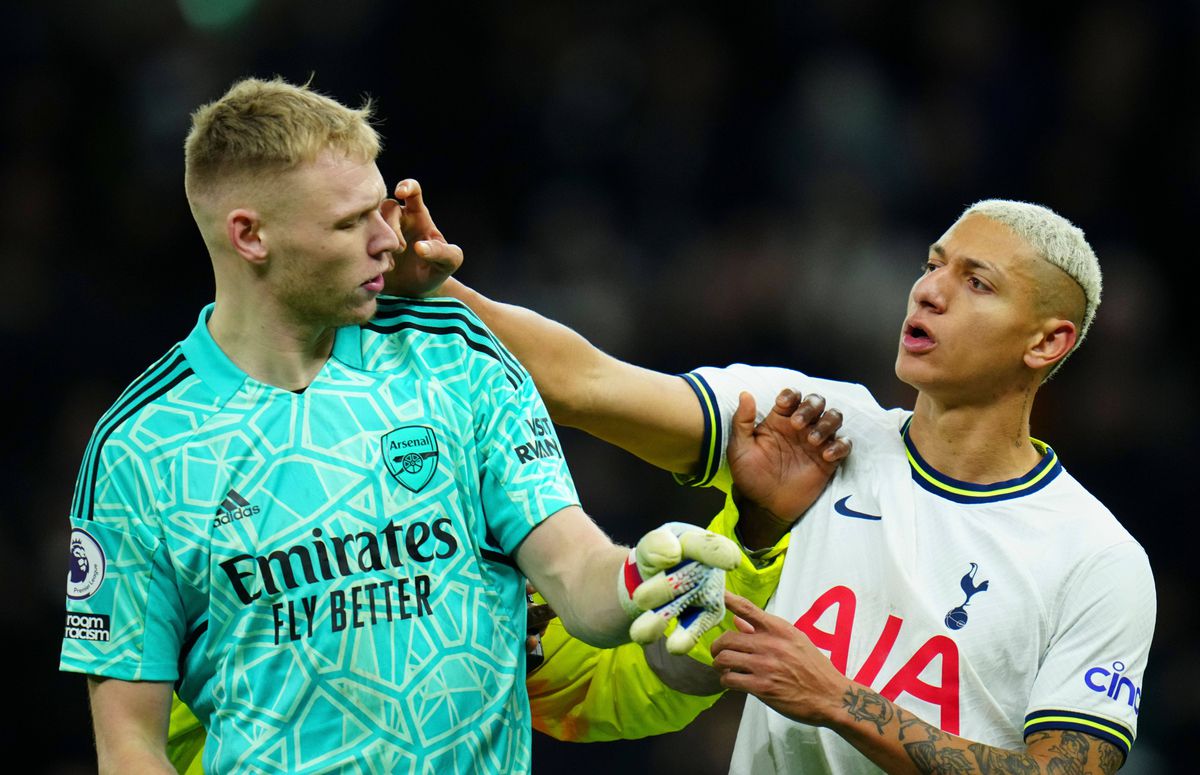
(244, 229)
(1054, 341)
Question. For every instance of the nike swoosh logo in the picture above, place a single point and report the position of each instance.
(841, 508)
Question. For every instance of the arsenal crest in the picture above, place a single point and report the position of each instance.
(411, 455)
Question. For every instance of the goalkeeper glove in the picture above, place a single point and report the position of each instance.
(677, 570)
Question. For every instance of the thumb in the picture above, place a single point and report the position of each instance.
(658, 549)
(743, 420)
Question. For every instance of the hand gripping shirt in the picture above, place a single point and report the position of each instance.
(327, 576)
(990, 611)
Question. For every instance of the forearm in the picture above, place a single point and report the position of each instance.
(128, 756)
(901, 743)
(590, 609)
(561, 362)
(130, 720)
(575, 567)
(652, 415)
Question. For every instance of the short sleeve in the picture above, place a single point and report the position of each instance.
(123, 612)
(1090, 679)
(718, 391)
(525, 477)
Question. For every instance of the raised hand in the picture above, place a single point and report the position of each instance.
(425, 259)
(768, 657)
(781, 465)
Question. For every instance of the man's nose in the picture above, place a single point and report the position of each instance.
(383, 239)
(930, 290)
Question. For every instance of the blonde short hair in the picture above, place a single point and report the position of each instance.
(1057, 241)
(270, 126)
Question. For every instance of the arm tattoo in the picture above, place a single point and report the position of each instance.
(1110, 758)
(1071, 754)
(933, 751)
(866, 705)
(945, 761)
(911, 726)
(1002, 762)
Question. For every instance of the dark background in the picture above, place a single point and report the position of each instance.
(684, 184)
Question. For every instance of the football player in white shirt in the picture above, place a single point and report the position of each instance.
(955, 602)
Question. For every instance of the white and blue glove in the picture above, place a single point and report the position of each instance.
(676, 571)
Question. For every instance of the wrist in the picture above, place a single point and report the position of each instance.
(758, 528)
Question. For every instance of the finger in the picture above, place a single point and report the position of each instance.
(731, 640)
(738, 682)
(656, 550)
(711, 549)
(654, 592)
(440, 253)
(743, 625)
(826, 426)
(732, 659)
(414, 214)
(744, 418)
(836, 450)
(648, 627)
(408, 191)
(786, 402)
(390, 210)
(537, 617)
(752, 614)
(692, 625)
(808, 410)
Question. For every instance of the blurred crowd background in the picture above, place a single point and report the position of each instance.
(685, 184)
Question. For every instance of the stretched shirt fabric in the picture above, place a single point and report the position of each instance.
(991, 611)
(326, 576)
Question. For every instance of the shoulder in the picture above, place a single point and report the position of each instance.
(1082, 517)
(437, 331)
(772, 379)
(157, 413)
(862, 413)
(165, 397)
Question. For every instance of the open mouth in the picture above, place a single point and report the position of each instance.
(374, 285)
(917, 339)
(916, 332)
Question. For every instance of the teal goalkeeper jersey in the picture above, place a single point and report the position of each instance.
(327, 576)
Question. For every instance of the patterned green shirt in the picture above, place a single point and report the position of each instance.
(327, 575)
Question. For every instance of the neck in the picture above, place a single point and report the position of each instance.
(267, 345)
(982, 443)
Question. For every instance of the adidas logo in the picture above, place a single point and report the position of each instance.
(233, 508)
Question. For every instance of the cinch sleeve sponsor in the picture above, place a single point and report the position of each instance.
(525, 475)
(1091, 678)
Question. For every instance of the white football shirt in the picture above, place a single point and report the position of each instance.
(991, 611)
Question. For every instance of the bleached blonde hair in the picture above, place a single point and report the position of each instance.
(1057, 241)
(262, 126)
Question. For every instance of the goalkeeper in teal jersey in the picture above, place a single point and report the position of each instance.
(315, 515)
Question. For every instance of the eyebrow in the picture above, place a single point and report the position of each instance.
(972, 263)
(361, 209)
